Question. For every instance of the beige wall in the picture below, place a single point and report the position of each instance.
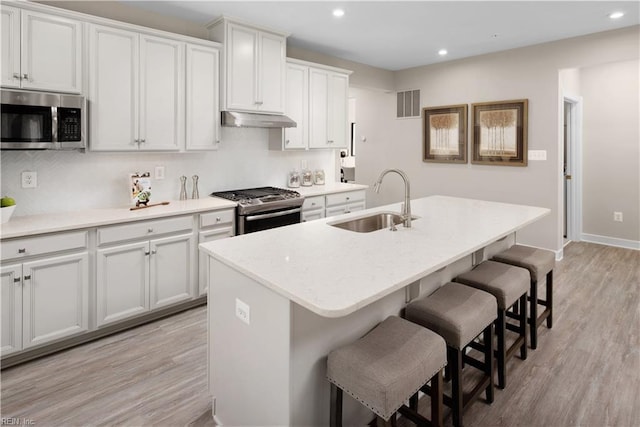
(530, 73)
(611, 149)
(364, 76)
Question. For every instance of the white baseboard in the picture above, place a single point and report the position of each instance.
(559, 253)
(611, 241)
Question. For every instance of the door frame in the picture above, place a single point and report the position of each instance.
(574, 165)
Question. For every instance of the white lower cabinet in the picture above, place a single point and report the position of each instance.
(317, 207)
(122, 282)
(44, 300)
(214, 226)
(172, 270)
(347, 202)
(134, 278)
(313, 208)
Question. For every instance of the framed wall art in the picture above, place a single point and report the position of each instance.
(444, 131)
(500, 133)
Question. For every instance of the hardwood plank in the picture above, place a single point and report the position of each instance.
(584, 372)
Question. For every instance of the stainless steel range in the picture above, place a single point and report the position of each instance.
(263, 208)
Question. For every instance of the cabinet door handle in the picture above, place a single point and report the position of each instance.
(347, 211)
(330, 141)
(313, 203)
(25, 77)
(143, 141)
(150, 230)
(27, 277)
(16, 280)
(153, 252)
(16, 76)
(218, 219)
(136, 141)
(347, 198)
(147, 253)
(287, 141)
(22, 251)
(258, 102)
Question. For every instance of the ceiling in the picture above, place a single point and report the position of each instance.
(395, 35)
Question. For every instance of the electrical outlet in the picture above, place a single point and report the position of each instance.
(617, 216)
(29, 179)
(243, 311)
(159, 172)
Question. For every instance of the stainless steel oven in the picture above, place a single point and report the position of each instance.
(42, 121)
(264, 208)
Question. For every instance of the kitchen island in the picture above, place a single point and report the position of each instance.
(282, 299)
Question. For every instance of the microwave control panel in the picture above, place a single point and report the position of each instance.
(69, 124)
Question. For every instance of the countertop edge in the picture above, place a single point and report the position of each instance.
(109, 216)
(341, 312)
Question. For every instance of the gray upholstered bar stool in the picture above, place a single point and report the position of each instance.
(460, 313)
(386, 368)
(509, 285)
(539, 262)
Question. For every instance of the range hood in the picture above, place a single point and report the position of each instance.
(256, 120)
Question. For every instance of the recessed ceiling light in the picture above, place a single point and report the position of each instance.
(338, 13)
(616, 15)
(442, 52)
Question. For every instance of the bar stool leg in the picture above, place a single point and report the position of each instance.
(380, 422)
(533, 316)
(454, 359)
(549, 298)
(335, 406)
(523, 325)
(487, 336)
(436, 400)
(501, 351)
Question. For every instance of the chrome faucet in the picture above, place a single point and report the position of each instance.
(406, 207)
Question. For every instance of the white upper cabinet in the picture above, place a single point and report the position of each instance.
(328, 113)
(317, 100)
(254, 67)
(41, 51)
(136, 91)
(297, 107)
(202, 98)
(10, 46)
(113, 88)
(161, 93)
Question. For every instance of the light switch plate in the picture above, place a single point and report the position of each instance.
(159, 172)
(537, 155)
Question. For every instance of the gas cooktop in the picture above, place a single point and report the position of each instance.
(262, 199)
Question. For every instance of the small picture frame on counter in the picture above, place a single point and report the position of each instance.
(140, 188)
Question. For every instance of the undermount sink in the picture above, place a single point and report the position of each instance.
(373, 222)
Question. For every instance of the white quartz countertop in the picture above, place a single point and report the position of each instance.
(21, 226)
(334, 272)
(329, 188)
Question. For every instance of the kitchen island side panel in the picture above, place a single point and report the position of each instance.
(313, 337)
(249, 363)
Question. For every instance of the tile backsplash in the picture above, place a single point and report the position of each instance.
(69, 181)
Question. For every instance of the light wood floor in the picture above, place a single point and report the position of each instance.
(585, 372)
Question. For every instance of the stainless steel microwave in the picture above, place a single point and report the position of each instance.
(42, 121)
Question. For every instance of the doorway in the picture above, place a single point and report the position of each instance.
(572, 169)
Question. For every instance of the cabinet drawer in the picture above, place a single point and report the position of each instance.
(20, 248)
(342, 198)
(142, 229)
(311, 203)
(217, 218)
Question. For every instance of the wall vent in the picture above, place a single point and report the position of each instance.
(408, 104)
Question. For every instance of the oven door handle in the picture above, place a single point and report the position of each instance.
(272, 214)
